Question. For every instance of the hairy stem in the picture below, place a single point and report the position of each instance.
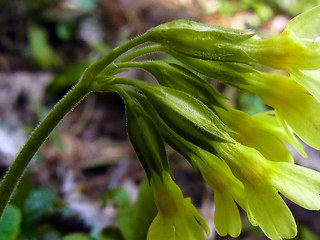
(40, 134)
(101, 64)
(72, 99)
(141, 51)
(130, 56)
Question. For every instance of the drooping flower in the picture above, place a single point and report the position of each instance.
(292, 102)
(228, 192)
(296, 48)
(177, 218)
(295, 106)
(305, 26)
(263, 179)
(201, 40)
(185, 114)
(262, 131)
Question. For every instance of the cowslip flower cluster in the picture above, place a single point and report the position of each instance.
(243, 158)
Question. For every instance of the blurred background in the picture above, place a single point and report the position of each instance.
(86, 178)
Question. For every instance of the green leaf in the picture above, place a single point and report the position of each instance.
(40, 48)
(10, 223)
(133, 219)
(77, 236)
(118, 195)
(111, 233)
(67, 78)
(143, 212)
(38, 202)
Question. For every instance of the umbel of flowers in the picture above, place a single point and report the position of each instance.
(243, 158)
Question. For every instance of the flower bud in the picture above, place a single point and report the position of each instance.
(186, 115)
(228, 190)
(201, 40)
(180, 78)
(292, 102)
(226, 72)
(146, 139)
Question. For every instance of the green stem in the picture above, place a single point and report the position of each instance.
(131, 82)
(40, 134)
(130, 56)
(101, 64)
(140, 52)
(141, 64)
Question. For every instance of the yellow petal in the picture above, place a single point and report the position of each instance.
(303, 116)
(306, 24)
(226, 218)
(271, 213)
(310, 80)
(299, 184)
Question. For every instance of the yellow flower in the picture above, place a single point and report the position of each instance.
(262, 131)
(305, 26)
(297, 47)
(228, 191)
(177, 218)
(310, 80)
(292, 102)
(263, 179)
(296, 50)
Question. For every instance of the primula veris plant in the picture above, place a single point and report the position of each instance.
(243, 158)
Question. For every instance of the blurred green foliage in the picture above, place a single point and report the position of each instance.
(133, 219)
(38, 202)
(68, 76)
(32, 210)
(111, 233)
(10, 223)
(250, 103)
(40, 49)
(77, 236)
